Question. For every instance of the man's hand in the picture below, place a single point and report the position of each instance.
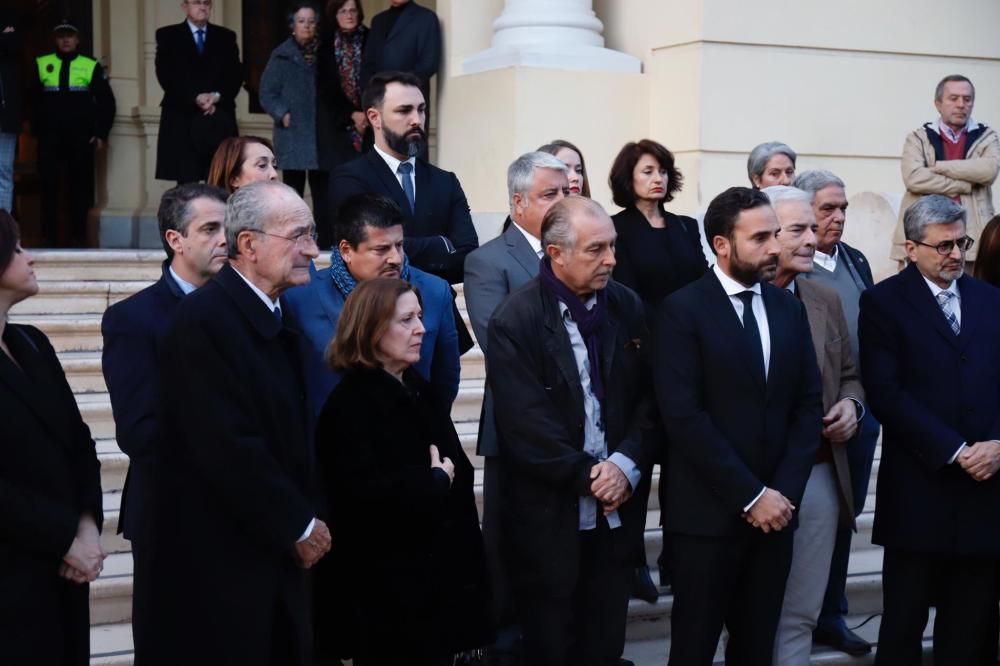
(771, 511)
(8, 28)
(98, 142)
(286, 120)
(206, 102)
(841, 422)
(360, 121)
(609, 484)
(315, 546)
(981, 460)
(444, 464)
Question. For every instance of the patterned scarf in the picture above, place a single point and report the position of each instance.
(347, 49)
(309, 51)
(343, 279)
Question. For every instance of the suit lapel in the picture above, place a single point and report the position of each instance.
(729, 323)
(558, 346)
(328, 294)
(968, 292)
(920, 297)
(817, 321)
(422, 178)
(400, 22)
(519, 248)
(609, 342)
(779, 330)
(390, 184)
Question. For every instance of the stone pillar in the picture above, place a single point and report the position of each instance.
(555, 34)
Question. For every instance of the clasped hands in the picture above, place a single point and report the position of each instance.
(311, 550)
(980, 460)
(771, 512)
(609, 485)
(84, 560)
(206, 102)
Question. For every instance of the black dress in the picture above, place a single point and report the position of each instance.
(49, 477)
(657, 262)
(405, 580)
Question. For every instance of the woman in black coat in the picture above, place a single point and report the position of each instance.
(405, 578)
(657, 252)
(50, 488)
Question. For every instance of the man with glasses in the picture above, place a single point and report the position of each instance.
(930, 360)
(198, 67)
(369, 244)
(234, 516)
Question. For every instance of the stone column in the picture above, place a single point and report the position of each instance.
(554, 34)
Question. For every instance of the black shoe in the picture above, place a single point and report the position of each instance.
(842, 639)
(665, 578)
(625, 662)
(642, 585)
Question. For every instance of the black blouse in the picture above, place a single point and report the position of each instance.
(657, 262)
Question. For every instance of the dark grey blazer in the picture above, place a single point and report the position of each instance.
(493, 271)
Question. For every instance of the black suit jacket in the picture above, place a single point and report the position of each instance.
(540, 427)
(49, 477)
(233, 481)
(412, 45)
(859, 263)
(133, 332)
(932, 391)
(441, 210)
(188, 138)
(730, 433)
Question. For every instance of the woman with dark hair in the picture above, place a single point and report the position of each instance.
(987, 267)
(240, 160)
(415, 593)
(291, 92)
(573, 159)
(50, 488)
(658, 252)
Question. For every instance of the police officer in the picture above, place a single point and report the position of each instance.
(74, 111)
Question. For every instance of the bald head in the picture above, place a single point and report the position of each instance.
(579, 240)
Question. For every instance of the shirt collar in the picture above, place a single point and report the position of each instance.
(194, 29)
(535, 243)
(731, 286)
(185, 286)
(589, 303)
(951, 135)
(392, 162)
(935, 290)
(263, 297)
(791, 286)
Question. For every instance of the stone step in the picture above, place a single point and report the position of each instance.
(84, 265)
(83, 371)
(76, 297)
(67, 332)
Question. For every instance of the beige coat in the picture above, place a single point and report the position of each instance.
(971, 179)
(839, 373)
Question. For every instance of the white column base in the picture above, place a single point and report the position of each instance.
(579, 58)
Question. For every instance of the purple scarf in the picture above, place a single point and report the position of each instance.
(589, 322)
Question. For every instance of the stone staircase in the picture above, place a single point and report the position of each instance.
(76, 288)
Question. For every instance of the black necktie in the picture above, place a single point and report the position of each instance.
(200, 40)
(751, 330)
(277, 315)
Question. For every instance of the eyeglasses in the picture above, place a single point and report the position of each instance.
(300, 240)
(347, 11)
(944, 248)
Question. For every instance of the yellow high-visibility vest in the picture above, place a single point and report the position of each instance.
(81, 72)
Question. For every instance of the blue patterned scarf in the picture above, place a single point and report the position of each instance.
(343, 279)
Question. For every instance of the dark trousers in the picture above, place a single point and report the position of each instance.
(319, 187)
(962, 588)
(66, 176)
(141, 607)
(860, 454)
(733, 581)
(586, 625)
(508, 632)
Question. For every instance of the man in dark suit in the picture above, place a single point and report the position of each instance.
(198, 67)
(572, 441)
(194, 239)
(930, 361)
(739, 393)
(828, 498)
(846, 270)
(405, 38)
(234, 504)
(535, 181)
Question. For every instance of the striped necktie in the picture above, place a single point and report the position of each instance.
(944, 300)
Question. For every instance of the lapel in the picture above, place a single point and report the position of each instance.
(780, 330)
(422, 178)
(249, 303)
(390, 184)
(721, 307)
(972, 311)
(26, 382)
(557, 344)
(817, 319)
(400, 22)
(520, 250)
(329, 296)
(920, 297)
(609, 340)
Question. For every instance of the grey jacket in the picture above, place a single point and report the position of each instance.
(289, 85)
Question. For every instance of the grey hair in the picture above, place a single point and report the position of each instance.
(815, 180)
(762, 154)
(953, 78)
(557, 225)
(931, 209)
(249, 208)
(521, 172)
(779, 194)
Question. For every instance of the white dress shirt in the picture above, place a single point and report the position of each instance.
(535, 243)
(950, 134)
(393, 164)
(185, 286)
(827, 261)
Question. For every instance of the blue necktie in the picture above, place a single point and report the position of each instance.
(752, 330)
(405, 169)
(200, 40)
(944, 300)
(277, 315)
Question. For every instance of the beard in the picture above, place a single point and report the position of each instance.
(747, 273)
(410, 144)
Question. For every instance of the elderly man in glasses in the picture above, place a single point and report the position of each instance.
(930, 364)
